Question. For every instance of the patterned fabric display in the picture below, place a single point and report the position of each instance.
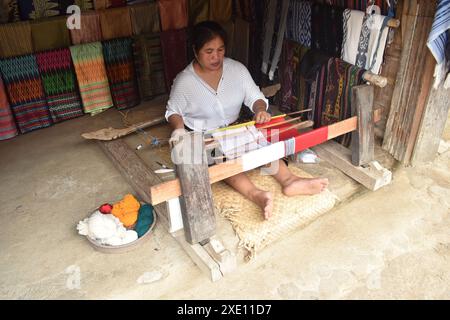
(145, 18)
(9, 11)
(327, 29)
(118, 55)
(58, 79)
(173, 44)
(298, 25)
(15, 39)
(90, 29)
(333, 92)
(37, 9)
(7, 125)
(26, 95)
(293, 86)
(91, 77)
(149, 65)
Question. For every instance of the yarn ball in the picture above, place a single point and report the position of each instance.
(127, 210)
(145, 219)
(105, 208)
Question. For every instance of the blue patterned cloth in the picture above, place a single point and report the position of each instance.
(298, 25)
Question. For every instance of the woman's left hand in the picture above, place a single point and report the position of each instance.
(262, 117)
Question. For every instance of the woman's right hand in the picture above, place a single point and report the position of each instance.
(176, 135)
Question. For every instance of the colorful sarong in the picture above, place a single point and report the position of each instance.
(90, 29)
(116, 23)
(15, 39)
(91, 76)
(173, 14)
(118, 55)
(145, 18)
(149, 65)
(58, 79)
(26, 95)
(49, 34)
(173, 44)
(8, 127)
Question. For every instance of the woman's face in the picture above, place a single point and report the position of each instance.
(211, 55)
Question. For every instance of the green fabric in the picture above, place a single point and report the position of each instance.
(145, 219)
(57, 83)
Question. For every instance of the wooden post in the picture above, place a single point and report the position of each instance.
(363, 137)
(196, 203)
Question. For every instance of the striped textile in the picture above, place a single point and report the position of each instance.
(26, 95)
(9, 11)
(8, 127)
(221, 10)
(91, 76)
(438, 39)
(15, 39)
(332, 93)
(49, 34)
(149, 65)
(198, 11)
(38, 9)
(174, 50)
(145, 18)
(116, 23)
(298, 25)
(173, 14)
(118, 55)
(90, 29)
(58, 79)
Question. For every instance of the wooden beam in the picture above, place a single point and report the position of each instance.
(172, 189)
(363, 137)
(372, 177)
(197, 207)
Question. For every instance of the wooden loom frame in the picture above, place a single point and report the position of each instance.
(199, 240)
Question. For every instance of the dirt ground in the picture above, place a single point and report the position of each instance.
(390, 244)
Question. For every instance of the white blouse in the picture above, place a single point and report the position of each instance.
(203, 108)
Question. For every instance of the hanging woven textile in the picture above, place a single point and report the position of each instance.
(293, 86)
(15, 39)
(118, 55)
(91, 76)
(149, 65)
(38, 9)
(90, 29)
(173, 44)
(298, 24)
(49, 34)
(198, 11)
(333, 92)
(221, 10)
(9, 11)
(145, 18)
(116, 23)
(8, 127)
(26, 95)
(327, 29)
(58, 79)
(173, 14)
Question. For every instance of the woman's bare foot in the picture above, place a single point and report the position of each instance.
(264, 200)
(305, 186)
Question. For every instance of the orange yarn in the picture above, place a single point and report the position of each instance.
(127, 210)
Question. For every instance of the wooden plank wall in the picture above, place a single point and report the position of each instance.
(414, 80)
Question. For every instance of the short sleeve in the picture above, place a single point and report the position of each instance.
(252, 91)
(177, 100)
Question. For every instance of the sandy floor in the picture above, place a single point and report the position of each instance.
(390, 244)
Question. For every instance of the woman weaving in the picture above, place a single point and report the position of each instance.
(209, 93)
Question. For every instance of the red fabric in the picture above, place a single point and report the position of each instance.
(173, 14)
(311, 138)
(174, 50)
(275, 130)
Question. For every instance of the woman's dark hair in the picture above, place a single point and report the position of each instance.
(206, 31)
